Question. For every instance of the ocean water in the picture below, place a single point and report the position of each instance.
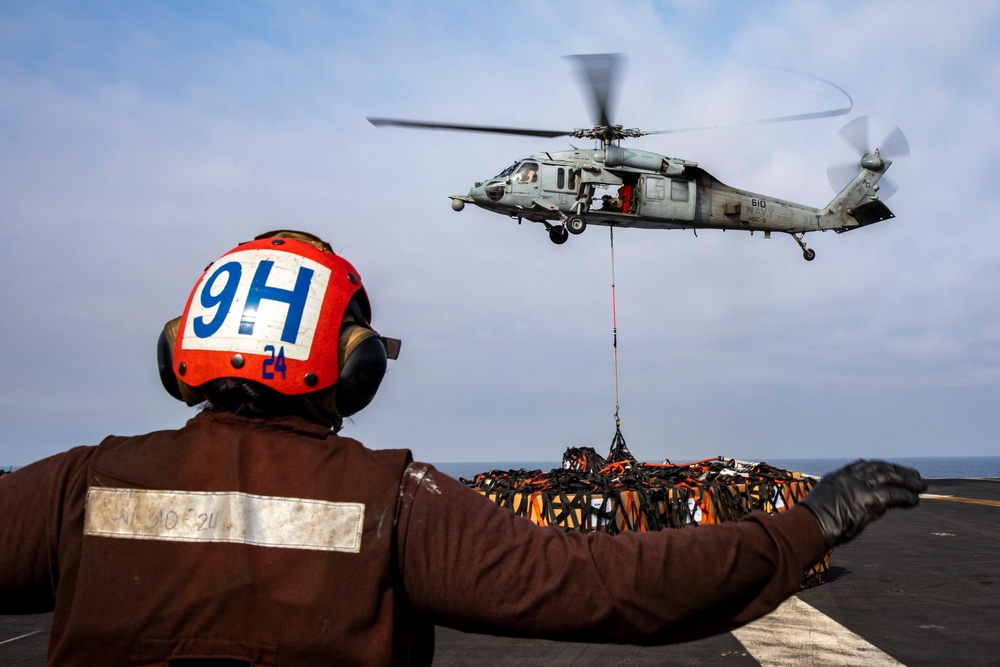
(930, 467)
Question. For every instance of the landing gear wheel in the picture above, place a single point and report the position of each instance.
(558, 235)
(808, 253)
(576, 224)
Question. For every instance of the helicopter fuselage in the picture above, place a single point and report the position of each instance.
(568, 190)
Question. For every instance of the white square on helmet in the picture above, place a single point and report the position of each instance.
(249, 299)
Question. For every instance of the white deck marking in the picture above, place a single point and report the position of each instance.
(796, 634)
(25, 636)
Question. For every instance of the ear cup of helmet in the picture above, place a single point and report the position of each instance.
(363, 363)
(165, 364)
(362, 355)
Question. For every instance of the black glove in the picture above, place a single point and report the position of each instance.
(847, 500)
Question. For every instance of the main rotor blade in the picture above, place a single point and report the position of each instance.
(839, 111)
(598, 72)
(760, 121)
(382, 122)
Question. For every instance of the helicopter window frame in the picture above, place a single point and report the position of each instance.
(566, 177)
(508, 171)
(656, 188)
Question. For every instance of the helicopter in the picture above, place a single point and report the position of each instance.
(562, 189)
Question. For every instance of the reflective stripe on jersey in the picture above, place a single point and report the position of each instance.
(192, 516)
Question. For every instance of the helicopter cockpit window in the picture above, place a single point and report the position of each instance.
(526, 173)
(508, 171)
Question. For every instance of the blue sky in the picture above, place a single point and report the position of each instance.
(140, 141)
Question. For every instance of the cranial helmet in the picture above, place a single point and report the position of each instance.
(285, 312)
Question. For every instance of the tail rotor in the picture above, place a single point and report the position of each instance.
(856, 135)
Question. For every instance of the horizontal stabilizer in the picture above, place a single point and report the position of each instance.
(868, 213)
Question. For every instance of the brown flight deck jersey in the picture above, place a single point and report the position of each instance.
(280, 543)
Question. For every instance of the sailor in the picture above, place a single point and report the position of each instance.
(625, 197)
(257, 535)
(611, 203)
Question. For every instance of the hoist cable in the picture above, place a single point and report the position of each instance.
(614, 322)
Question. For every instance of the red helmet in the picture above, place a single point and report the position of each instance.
(284, 311)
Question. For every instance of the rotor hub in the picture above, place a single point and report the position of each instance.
(608, 134)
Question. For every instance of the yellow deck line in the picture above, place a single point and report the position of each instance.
(957, 499)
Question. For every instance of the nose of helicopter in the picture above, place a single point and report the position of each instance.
(490, 192)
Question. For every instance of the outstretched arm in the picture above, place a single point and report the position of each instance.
(31, 499)
(477, 567)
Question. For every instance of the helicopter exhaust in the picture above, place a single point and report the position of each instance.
(616, 156)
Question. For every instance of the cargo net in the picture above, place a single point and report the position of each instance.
(591, 493)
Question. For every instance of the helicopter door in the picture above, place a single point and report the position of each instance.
(524, 181)
(559, 179)
(559, 183)
(668, 198)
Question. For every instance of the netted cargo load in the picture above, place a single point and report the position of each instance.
(593, 494)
